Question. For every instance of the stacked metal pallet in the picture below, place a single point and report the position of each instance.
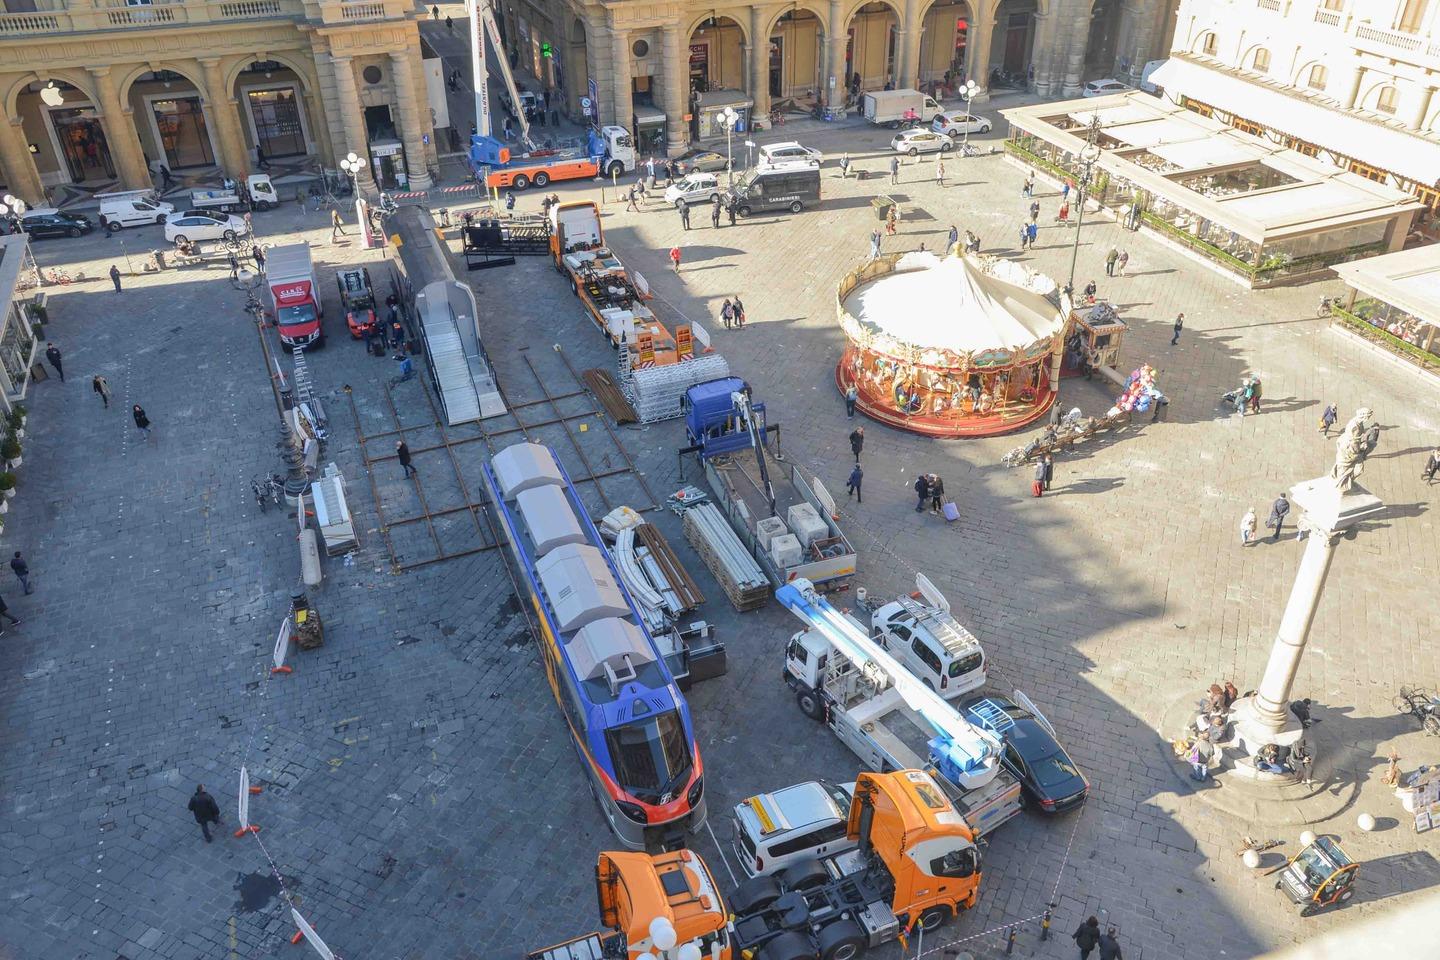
(656, 392)
(725, 556)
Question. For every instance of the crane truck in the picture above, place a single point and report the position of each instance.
(888, 717)
(915, 864)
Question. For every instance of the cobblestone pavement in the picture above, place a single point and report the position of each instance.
(420, 797)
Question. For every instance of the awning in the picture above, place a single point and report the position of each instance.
(1408, 279)
(1405, 154)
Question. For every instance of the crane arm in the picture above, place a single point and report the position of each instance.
(482, 24)
(757, 441)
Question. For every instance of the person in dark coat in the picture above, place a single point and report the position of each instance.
(857, 442)
(22, 572)
(205, 810)
(1328, 418)
(715, 212)
(52, 353)
(1278, 510)
(853, 484)
(1086, 937)
(1432, 466)
(922, 490)
(684, 213)
(142, 422)
(1109, 946)
(1049, 462)
(115, 277)
(5, 612)
(402, 451)
(101, 386)
(937, 493)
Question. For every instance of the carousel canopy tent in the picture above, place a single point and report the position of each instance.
(950, 305)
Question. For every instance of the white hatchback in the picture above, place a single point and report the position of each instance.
(694, 188)
(777, 830)
(1104, 88)
(195, 225)
(915, 142)
(957, 123)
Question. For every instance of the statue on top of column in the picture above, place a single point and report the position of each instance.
(1350, 451)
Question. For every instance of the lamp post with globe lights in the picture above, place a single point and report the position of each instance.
(728, 118)
(967, 93)
(352, 165)
(13, 207)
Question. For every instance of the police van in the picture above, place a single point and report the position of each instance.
(790, 187)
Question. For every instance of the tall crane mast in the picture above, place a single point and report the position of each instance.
(482, 24)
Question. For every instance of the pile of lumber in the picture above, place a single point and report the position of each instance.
(660, 562)
(608, 392)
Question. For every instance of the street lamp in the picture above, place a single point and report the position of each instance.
(12, 206)
(968, 92)
(1088, 155)
(728, 118)
(749, 154)
(352, 164)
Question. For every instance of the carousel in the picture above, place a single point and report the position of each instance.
(964, 346)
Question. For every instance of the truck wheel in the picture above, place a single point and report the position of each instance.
(795, 207)
(810, 704)
(754, 894)
(790, 945)
(804, 875)
(541, 179)
(841, 940)
(614, 169)
(520, 182)
(934, 918)
(744, 213)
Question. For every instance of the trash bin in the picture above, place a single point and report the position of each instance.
(882, 205)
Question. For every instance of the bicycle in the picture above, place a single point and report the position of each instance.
(1325, 307)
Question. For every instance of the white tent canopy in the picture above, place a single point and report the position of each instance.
(951, 305)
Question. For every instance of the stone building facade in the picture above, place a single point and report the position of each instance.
(647, 56)
(98, 93)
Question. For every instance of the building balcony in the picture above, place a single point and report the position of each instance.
(103, 15)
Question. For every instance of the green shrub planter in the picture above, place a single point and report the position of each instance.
(7, 484)
(10, 452)
(1386, 339)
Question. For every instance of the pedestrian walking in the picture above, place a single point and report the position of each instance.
(1024, 237)
(1255, 396)
(630, 200)
(234, 262)
(1034, 210)
(142, 421)
(1065, 191)
(853, 484)
(1247, 527)
(1063, 217)
(739, 312)
(1110, 946)
(952, 238)
(1135, 216)
(874, 244)
(402, 452)
(1432, 466)
(435, 12)
(1086, 936)
(890, 220)
(936, 489)
(1110, 259)
(5, 612)
(1034, 232)
(258, 252)
(727, 313)
(1276, 520)
(715, 212)
(115, 277)
(449, 25)
(1049, 463)
(922, 491)
(1037, 486)
(852, 395)
(940, 172)
(22, 572)
(1122, 262)
(1028, 189)
(52, 353)
(1328, 418)
(894, 171)
(730, 209)
(857, 442)
(675, 257)
(205, 810)
(1372, 438)
(844, 166)
(684, 209)
(1179, 325)
(167, 179)
(337, 226)
(101, 386)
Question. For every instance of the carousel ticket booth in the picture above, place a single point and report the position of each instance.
(1093, 338)
(953, 347)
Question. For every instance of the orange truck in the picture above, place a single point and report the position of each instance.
(915, 866)
(619, 303)
(609, 150)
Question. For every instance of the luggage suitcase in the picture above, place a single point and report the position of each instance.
(952, 512)
(1036, 488)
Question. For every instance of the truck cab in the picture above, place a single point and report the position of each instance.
(615, 148)
(919, 631)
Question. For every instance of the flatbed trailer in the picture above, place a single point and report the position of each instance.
(542, 170)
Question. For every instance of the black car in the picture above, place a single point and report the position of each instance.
(53, 223)
(705, 161)
(1049, 779)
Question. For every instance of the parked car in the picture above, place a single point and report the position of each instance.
(48, 222)
(1104, 88)
(1049, 779)
(694, 188)
(132, 208)
(706, 161)
(780, 154)
(776, 830)
(957, 123)
(195, 225)
(915, 142)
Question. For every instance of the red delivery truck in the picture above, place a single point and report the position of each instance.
(294, 295)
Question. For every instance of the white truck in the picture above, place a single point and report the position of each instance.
(919, 631)
(132, 208)
(294, 295)
(891, 107)
(873, 708)
(258, 193)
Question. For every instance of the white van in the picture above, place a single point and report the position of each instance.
(920, 632)
(776, 830)
(787, 154)
(132, 208)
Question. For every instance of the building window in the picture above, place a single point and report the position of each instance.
(371, 74)
(1412, 15)
(1431, 198)
(1318, 77)
(1262, 61)
(1367, 171)
(1247, 126)
(1388, 99)
(1210, 45)
(640, 49)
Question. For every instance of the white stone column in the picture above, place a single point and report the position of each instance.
(348, 96)
(234, 158)
(836, 80)
(1422, 109)
(18, 164)
(1327, 513)
(623, 107)
(119, 125)
(759, 54)
(675, 92)
(412, 130)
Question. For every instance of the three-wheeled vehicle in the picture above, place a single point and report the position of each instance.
(1320, 876)
(357, 297)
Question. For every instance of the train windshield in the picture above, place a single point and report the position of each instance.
(651, 756)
